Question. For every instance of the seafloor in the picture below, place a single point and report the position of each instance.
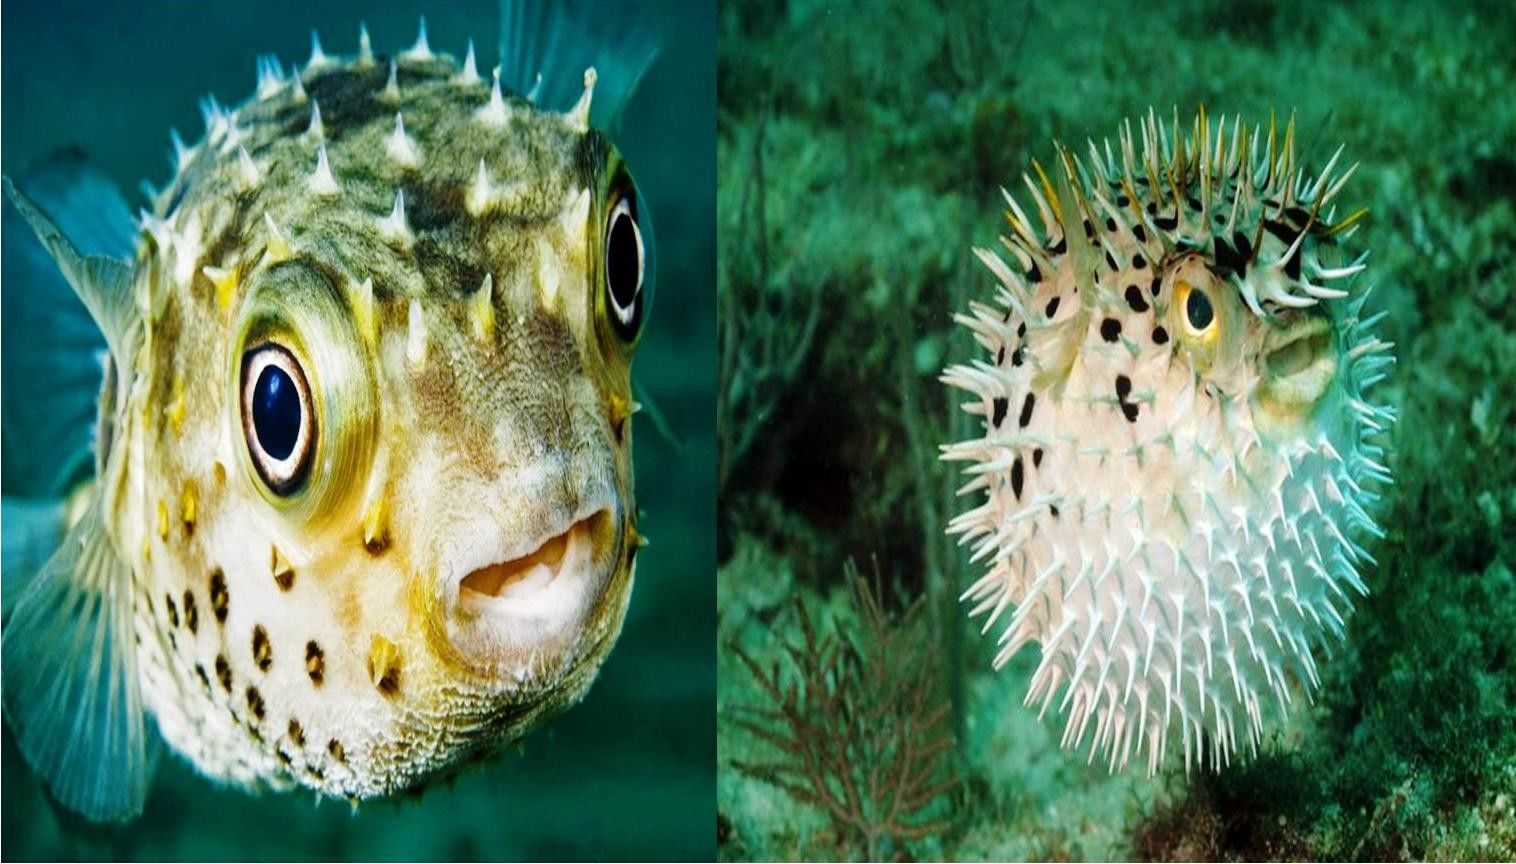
(627, 774)
(860, 150)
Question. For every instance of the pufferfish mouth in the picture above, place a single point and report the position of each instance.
(556, 572)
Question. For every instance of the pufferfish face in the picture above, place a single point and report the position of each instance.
(403, 410)
(1178, 459)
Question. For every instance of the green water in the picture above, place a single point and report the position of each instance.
(629, 773)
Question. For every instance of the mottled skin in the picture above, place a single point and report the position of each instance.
(320, 638)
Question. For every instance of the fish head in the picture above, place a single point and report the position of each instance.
(425, 414)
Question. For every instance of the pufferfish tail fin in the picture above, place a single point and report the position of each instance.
(52, 344)
(71, 692)
(545, 48)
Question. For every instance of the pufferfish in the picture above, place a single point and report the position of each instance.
(361, 508)
(1179, 464)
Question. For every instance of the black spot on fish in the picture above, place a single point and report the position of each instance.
(1110, 225)
(1284, 233)
(1060, 247)
(1122, 201)
(1018, 356)
(205, 680)
(1110, 261)
(1000, 356)
(224, 672)
(1167, 223)
(1052, 307)
(191, 612)
(1089, 230)
(1026, 409)
(220, 597)
(1130, 410)
(1123, 387)
(296, 733)
(1140, 233)
(1134, 299)
(1155, 285)
(1017, 478)
(1227, 259)
(1033, 273)
(999, 406)
(263, 653)
(1110, 329)
(173, 611)
(315, 663)
(334, 747)
(1160, 335)
(1053, 508)
(1244, 247)
(1292, 264)
(1138, 261)
(1037, 457)
(1021, 330)
(255, 702)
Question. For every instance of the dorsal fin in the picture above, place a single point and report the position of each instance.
(558, 41)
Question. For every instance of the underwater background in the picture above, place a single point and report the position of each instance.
(627, 774)
(861, 147)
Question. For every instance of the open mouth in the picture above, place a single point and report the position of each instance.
(565, 557)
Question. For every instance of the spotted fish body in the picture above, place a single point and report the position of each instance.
(1179, 461)
(442, 557)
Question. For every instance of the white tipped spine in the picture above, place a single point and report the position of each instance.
(421, 50)
(393, 227)
(318, 60)
(400, 147)
(469, 75)
(579, 116)
(322, 181)
(365, 47)
(494, 113)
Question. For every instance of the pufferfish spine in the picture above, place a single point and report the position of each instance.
(1179, 460)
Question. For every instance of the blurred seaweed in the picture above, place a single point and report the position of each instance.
(859, 723)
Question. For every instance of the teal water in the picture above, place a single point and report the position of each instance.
(628, 774)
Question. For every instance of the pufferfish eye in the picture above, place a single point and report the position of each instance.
(625, 267)
(278, 418)
(1199, 315)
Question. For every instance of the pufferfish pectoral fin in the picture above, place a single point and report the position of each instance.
(52, 346)
(30, 531)
(103, 283)
(70, 688)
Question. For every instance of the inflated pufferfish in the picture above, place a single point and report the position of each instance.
(361, 507)
(1178, 462)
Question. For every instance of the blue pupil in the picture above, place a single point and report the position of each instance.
(276, 412)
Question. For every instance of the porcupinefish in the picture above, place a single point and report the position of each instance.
(361, 508)
(1179, 463)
